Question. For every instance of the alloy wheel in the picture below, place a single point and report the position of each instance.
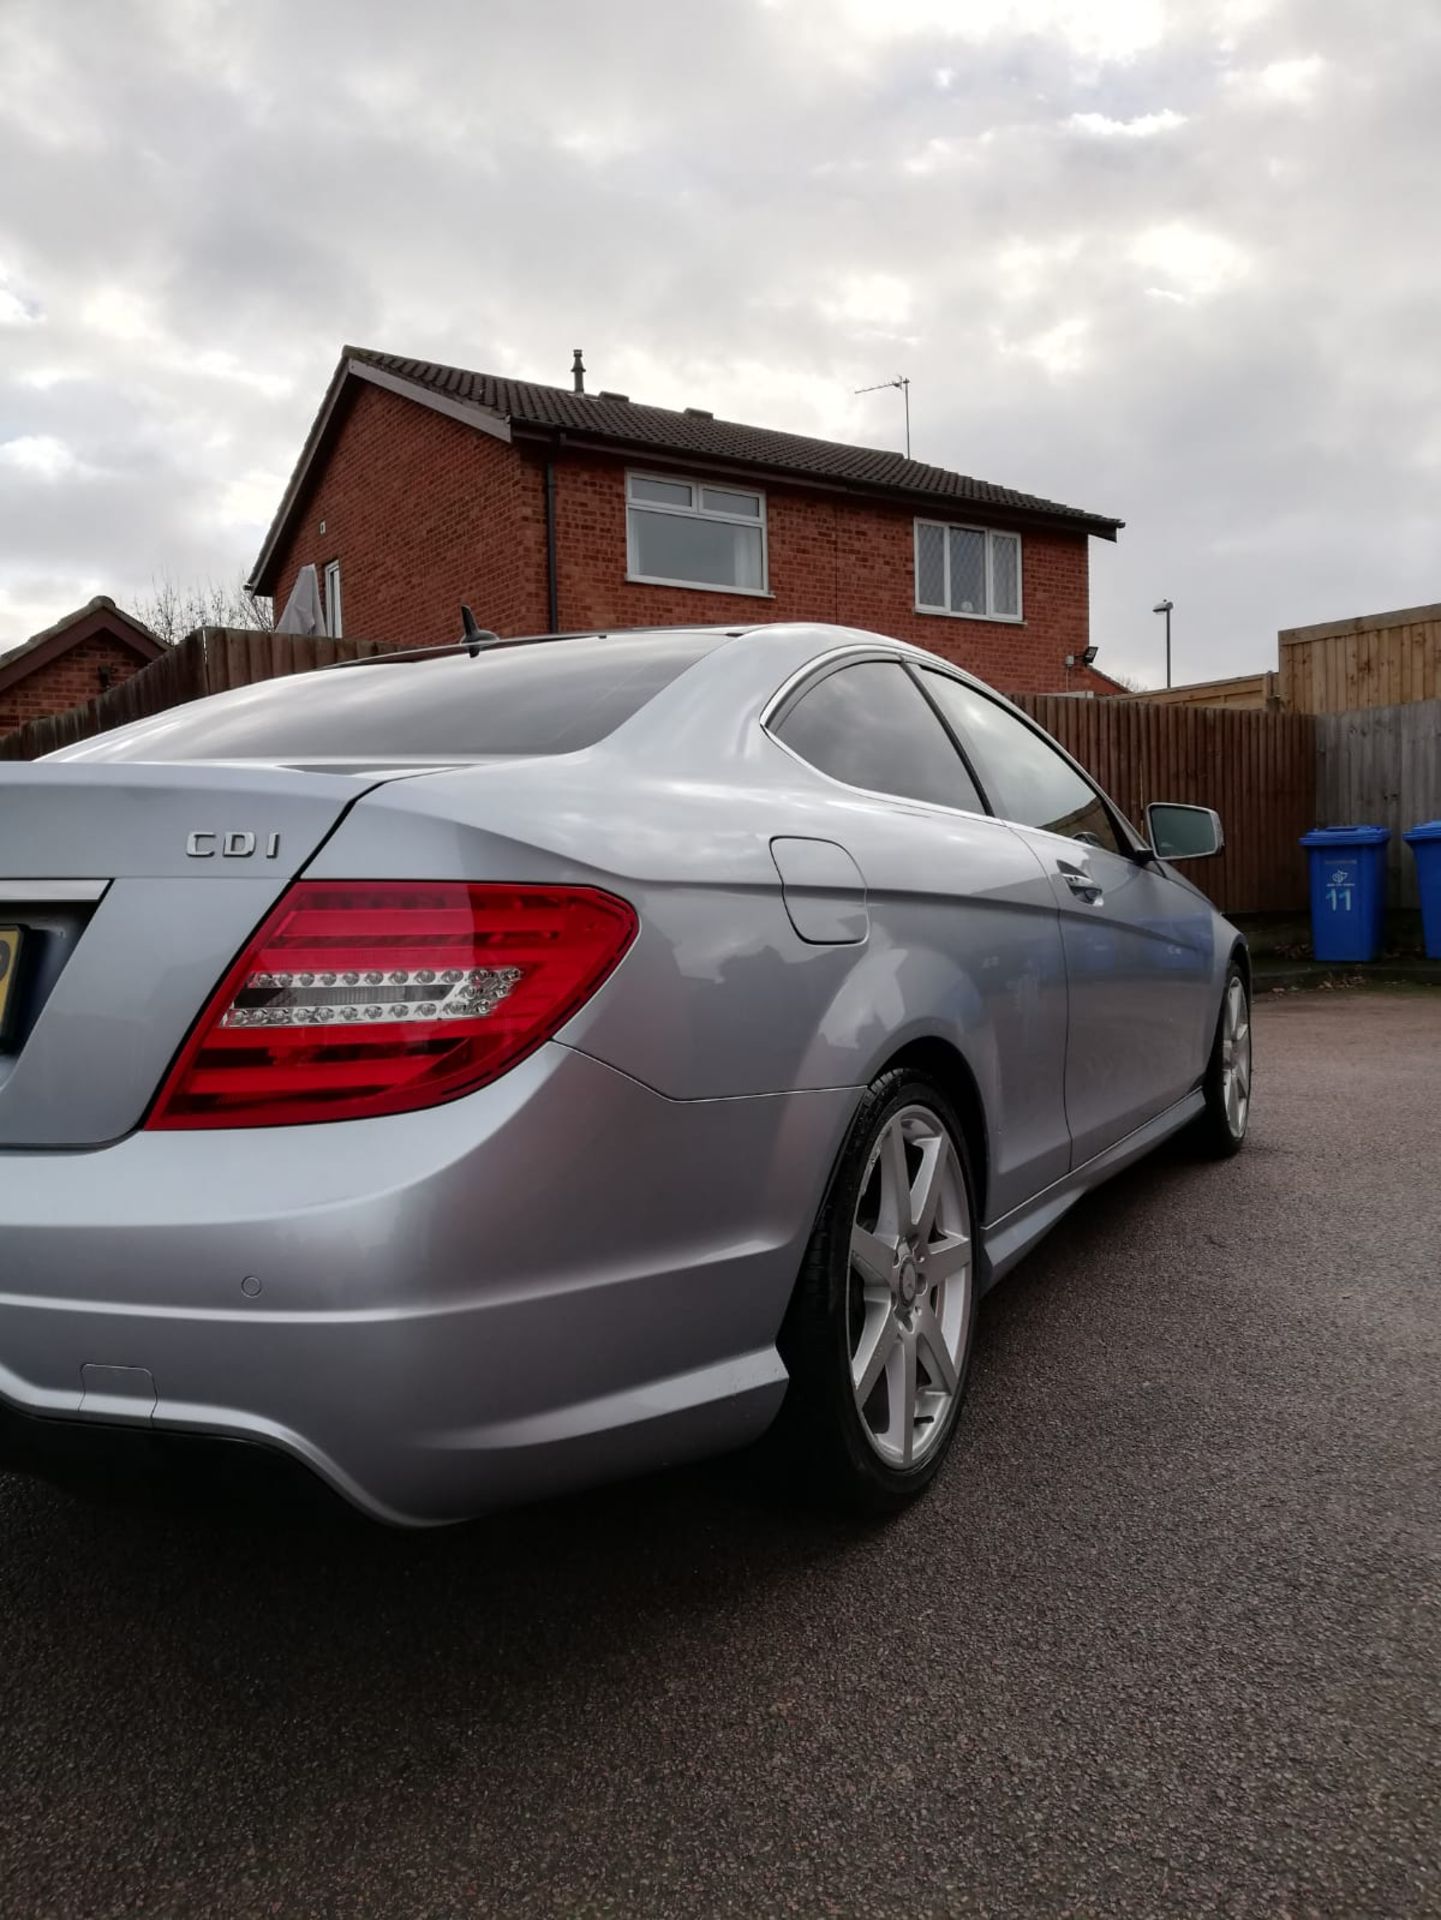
(1236, 1058)
(911, 1272)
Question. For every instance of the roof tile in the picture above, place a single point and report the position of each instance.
(693, 432)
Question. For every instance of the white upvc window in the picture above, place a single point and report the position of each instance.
(333, 615)
(973, 573)
(695, 533)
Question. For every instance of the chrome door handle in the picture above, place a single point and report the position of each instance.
(1082, 885)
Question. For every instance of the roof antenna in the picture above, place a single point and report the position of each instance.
(903, 382)
(473, 638)
(577, 372)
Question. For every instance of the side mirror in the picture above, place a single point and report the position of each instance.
(1184, 833)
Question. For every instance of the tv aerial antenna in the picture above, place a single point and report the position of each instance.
(903, 382)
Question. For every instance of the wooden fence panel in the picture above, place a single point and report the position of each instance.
(1376, 660)
(1381, 766)
(1257, 768)
(1242, 690)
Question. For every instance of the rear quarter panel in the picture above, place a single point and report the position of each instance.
(719, 997)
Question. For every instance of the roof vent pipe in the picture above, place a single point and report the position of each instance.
(577, 372)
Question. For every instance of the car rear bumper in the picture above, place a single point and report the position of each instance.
(110, 1460)
(560, 1279)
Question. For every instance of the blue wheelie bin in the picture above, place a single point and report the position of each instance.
(1425, 844)
(1348, 891)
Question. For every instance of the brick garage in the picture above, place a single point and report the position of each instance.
(94, 648)
(428, 486)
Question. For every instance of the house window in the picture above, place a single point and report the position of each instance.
(970, 571)
(332, 599)
(688, 533)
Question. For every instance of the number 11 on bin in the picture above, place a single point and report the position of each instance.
(1340, 893)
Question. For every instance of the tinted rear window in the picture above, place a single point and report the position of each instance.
(552, 696)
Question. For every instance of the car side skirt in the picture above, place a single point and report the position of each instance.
(1010, 1238)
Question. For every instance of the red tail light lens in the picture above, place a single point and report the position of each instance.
(356, 1000)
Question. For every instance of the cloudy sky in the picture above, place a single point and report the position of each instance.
(1174, 260)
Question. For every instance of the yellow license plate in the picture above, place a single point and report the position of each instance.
(9, 966)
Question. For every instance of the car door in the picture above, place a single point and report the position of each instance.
(965, 934)
(1138, 942)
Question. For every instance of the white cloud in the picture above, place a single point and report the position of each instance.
(216, 364)
(1104, 29)
(1102, 127)
(1026, 270)
(13, 310)
(936, 153)
(878, 302)
(1293, 79)
(40, 455)
(42, 378)
(1193, 264)
(120, 314)
(16, 310)
(1058, 350)
(1293, 82)
(248, 502)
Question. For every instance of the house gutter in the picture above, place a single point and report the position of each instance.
(552, 569)
(979, 512)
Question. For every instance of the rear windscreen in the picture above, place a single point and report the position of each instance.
(550, 696)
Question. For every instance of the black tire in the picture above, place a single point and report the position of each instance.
(820, 1438)
(1214, 1133)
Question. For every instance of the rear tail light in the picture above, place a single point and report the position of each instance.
(354, 1000)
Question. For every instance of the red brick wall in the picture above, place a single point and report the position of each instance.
(423, 512)
(67, 681)
(831, 559)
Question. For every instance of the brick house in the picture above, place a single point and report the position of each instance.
(547, 509)
(90, 650)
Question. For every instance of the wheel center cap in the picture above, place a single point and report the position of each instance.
(910, 1281)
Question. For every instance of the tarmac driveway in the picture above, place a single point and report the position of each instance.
(1163, 1641)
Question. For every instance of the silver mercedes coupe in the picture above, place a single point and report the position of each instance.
(513, 1065)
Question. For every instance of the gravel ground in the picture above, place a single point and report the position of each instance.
(1163, 1641)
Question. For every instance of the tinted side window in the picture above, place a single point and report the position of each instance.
(1026, 778)
(869, 726)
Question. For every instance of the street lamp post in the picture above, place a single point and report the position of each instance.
(1165, 606)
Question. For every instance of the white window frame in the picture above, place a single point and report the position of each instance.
(632, 570)
(1015, 619)
(334, 600)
